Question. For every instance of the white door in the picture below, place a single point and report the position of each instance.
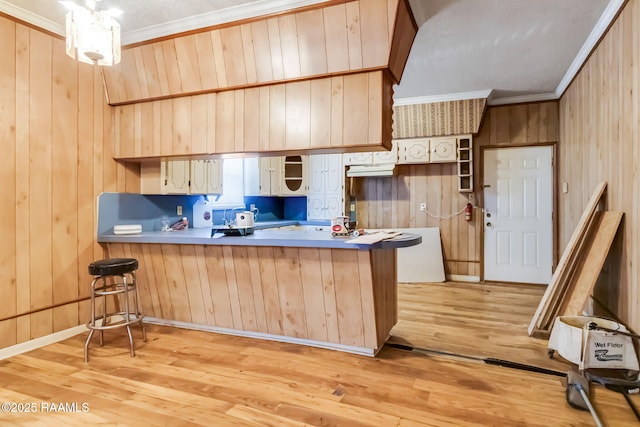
(518, 199)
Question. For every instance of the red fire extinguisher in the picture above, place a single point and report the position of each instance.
(468, 212)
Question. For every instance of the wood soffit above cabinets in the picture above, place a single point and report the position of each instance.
(337, 39)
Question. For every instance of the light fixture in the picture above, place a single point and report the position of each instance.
(93, 36)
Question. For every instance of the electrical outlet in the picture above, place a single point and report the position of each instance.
(178, 210)
(423, 207)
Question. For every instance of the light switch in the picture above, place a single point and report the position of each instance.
(565, 187)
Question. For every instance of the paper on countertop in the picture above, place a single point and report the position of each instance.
(127, 229)
(374, 237)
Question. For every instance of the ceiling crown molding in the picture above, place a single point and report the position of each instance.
(32, 18)
(460, 96)
(520, 99)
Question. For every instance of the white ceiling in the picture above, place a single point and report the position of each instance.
(507, 50)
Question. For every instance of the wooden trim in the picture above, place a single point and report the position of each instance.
(37, 310)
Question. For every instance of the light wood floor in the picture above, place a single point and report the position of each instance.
(184, 378)
(473, 319)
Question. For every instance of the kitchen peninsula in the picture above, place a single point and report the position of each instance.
(296, 285)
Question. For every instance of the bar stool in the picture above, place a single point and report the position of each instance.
(124, 270)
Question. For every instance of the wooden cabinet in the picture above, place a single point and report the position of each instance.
(325, 196)
(372, 158)
(180, 176)
(206, 176)
(429, 150)
(413, 150)
(294, 176)
(275, 176)
(174, 176)
(442, 150)
(269, 176)
(465, 164)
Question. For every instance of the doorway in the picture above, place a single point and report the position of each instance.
(518, 216)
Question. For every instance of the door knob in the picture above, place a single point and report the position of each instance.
(488, 224)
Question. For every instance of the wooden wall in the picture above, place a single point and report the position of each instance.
(394, 202)
(599, 137)
(335, 39)
(332, 113)
(341, 296)
(56, 159)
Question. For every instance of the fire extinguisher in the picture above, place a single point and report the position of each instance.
(468, 212)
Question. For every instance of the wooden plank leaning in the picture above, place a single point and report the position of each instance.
(548, 307)
(591, 262)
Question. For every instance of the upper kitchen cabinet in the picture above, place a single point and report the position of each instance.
(318, 79)
(429, 150)
(275, 176)
(372, 158)
(179, 176)
(315, 42)
(206, 176)
(325, 197)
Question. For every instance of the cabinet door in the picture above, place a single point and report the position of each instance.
(316, 174)
(175, 176)
(214, 176)
(443, 150)
(365, 158)
(199, 178)
(316, 206)
(294, 182)
(275, 175)
(334, 176)
(265, 174)
(413, 151)
(386, 157)
(334, 205)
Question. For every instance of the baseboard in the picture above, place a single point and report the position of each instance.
(280, 338)
(33, 344)
(463, 278)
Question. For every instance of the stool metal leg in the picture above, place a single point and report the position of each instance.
(93, 319)
(104, 312)
(135, 306)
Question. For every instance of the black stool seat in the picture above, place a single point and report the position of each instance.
(114, 266)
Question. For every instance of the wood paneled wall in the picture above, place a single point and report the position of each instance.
(336, 39)
(341, 296)
(394, 202)
(330, 113)
(438, 118)
(600, 141)
(56, 158)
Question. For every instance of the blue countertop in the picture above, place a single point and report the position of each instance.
(294, 234)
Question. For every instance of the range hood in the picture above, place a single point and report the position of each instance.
(371, 170)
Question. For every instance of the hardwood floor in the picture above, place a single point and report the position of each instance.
(189, 378)
(484, 320)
